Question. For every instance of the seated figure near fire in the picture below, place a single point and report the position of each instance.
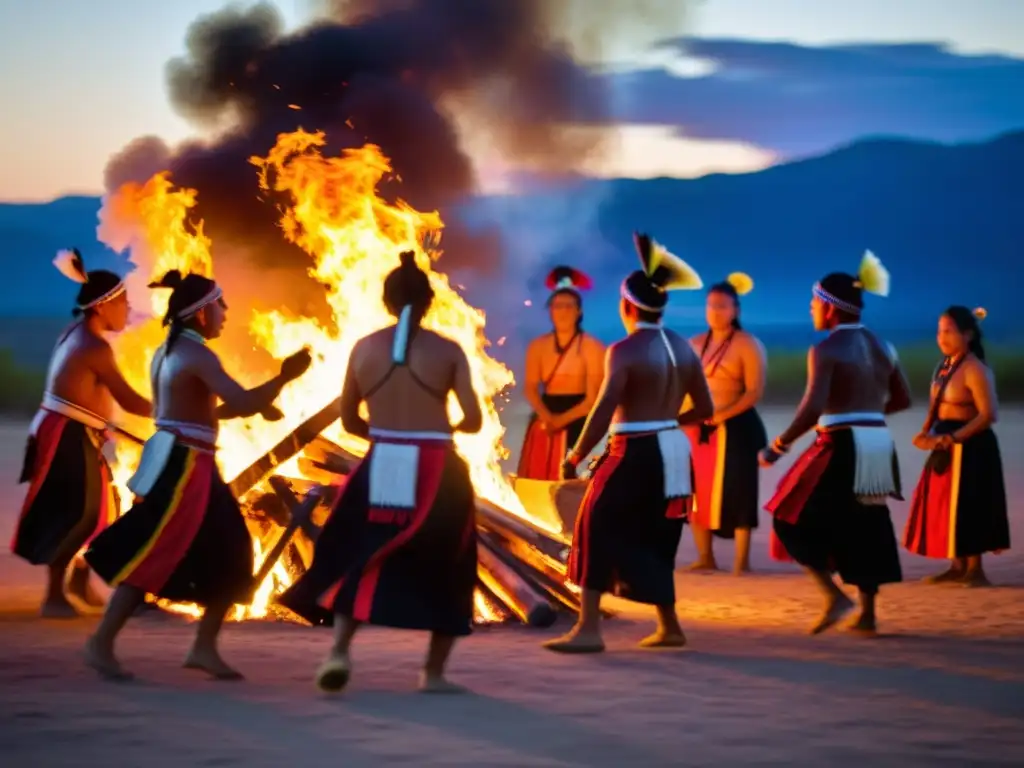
(71, 496)
(184, 539)
(631, 518)
(399, 548)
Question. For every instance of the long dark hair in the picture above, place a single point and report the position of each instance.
(966, 321)
(728, 289)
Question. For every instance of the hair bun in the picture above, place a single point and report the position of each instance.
(170, 280)
(980, 313)
(408, 259)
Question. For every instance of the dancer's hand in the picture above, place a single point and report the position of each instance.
(568, 470)
(924, 442)
(272, 413)
(295, 365)
(767, 457)
(944, 442)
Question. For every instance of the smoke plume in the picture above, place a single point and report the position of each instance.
(408, 75)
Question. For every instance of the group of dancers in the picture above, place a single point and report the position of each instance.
(684, 442)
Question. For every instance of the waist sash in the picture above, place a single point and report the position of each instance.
(394, 465)
(674, 447)
(874, 447)
(53, 404)
(157, 450)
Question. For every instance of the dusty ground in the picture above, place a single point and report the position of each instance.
(945, 686)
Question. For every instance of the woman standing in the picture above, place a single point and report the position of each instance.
(725, 447)
(959, 506)
(564, 371)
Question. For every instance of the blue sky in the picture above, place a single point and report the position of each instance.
(81, 79)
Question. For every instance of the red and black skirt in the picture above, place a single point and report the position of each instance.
(543, 452)
(627, 531)
(959, 505)
(410, 568)
(726, 473)
(186, 541)
(71, 495)
(819, 522)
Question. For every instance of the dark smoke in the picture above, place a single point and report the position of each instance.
(391, 72)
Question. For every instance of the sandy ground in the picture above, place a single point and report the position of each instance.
(943, 686)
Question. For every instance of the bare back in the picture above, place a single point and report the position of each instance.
(644, 382)
(412, 396)
(180, 388)
(861, 367)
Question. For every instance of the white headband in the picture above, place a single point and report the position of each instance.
(113, 293)
(628, 296)
(211, 296)
(835, 301)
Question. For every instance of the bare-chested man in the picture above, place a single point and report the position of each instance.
(71, 496)
(725, 447)
(959, 505)
(631, 519)
(184, 539)
(399, 549)
(563, 376)
(830, 508)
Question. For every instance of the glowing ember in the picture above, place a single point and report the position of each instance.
(353, 238)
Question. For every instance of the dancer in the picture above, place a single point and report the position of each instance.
(725, 447)
(184, 539)
(631, 517)
(959, 506)
(830, 509)
(71, 496)
(563, 377)
(399, 548)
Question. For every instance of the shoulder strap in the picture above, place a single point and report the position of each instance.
(943, 380)
(561, 357)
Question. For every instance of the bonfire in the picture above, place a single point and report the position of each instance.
(287, 473)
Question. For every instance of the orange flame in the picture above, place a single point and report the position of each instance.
(353, 238)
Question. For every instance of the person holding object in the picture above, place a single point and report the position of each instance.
(184, 539)
(399, 547)
(563, 376)
(959, 505)
(725, 447)
(71, 495)
(631, 518)
(830, 512)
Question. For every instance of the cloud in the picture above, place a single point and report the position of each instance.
(797, 100)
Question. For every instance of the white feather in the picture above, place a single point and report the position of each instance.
(873, 275)
(70, 265)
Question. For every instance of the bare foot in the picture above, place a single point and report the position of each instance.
(975, 579)
(431, 683)
(839, 607)
(948, 575)
(741, 569)
(103, 662)
(664, 639)
(865, 626)
(334, 674)
(58, 608)
(79, 586)
(576, 642)
(212, 664)
(704, 566)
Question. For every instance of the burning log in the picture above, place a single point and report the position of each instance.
(296, 441)
(528, 603)
(300, 516)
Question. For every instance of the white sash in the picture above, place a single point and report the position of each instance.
(157, 451)
(873, 479)
(675, 452)
(394, 467)
(52, 403)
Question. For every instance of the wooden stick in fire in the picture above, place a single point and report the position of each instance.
(300, 514)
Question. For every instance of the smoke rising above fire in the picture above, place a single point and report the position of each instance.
(413, 76)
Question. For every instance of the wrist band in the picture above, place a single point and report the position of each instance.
(572, 458)
(779, 447)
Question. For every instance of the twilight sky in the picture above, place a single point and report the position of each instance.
(752, 82)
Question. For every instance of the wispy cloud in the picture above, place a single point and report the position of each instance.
(796, 100)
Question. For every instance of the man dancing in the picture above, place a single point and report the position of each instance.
(71, 496)
(632, 515)
(830, 511)
(184, 539)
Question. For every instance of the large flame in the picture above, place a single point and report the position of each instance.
(353, 238)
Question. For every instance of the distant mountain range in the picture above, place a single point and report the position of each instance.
(945, 219)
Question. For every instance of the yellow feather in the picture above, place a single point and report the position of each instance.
(742, 282)
(873, 275)
(980, 313)
(682, 277)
